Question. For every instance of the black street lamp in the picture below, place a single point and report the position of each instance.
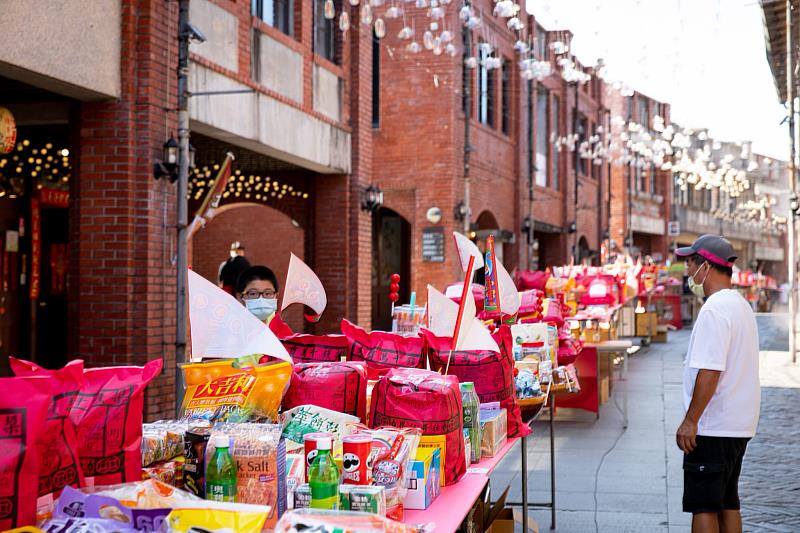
(372, 199)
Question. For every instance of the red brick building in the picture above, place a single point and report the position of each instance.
(641, 187)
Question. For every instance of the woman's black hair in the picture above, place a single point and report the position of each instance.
(253, 273)
(698, 259)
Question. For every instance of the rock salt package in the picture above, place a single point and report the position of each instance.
(24, 407)
(340, 386)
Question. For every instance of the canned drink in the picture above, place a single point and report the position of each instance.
(356, 450)
(310, 444)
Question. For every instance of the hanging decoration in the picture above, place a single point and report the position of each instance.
(48, 166)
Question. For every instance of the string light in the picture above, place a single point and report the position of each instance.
(26, 162)
(252, 186)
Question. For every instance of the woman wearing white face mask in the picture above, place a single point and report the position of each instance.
(257, 289)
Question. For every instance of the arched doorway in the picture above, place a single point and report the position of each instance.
(584, 252)
(268, 235)
(485, 225)
(391, 253)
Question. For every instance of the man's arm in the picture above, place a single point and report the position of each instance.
(704, 387)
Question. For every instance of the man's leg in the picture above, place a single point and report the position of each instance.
(705, 523)
(730, 521)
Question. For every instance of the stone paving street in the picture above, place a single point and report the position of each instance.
(608, 479)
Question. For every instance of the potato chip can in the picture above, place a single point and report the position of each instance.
(310, 444)
(356, 450)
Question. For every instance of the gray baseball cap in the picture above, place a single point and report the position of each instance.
(712, 248)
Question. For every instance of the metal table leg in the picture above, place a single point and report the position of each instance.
(524, 448)
(552, 467)
(625, 379)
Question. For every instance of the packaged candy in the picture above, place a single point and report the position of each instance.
(236, 394)
(169, 472)
(382, 351)
(393, 450)
(24, 406)
(339, 386)
(218, 516)
(491, 372)
(425, 400)
(305, 419)
(365, 499)
(350, 521)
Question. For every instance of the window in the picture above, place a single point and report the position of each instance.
(486, 92)
(505, 94)
(596, 169)
(639, 174)
(540, 50)
(582, 129)
(376, 81)
(677, 194)
(630, 107)
(277, 13)
(542, 136)
(652, 187)
(324, 33)
(644, 112)
(556, 129)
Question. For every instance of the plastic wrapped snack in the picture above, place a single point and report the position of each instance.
(84, 525)
(393, 450)
(162, 441)
(169, 472)
(305, 419)
(235, 394)
(260, 455)
(350, 521)
(232, 518)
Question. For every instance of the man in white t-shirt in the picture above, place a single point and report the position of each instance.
(721, 390)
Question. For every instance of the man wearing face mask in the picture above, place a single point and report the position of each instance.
(721, 390)
(257, 289)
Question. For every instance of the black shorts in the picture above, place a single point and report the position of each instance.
(711, 474)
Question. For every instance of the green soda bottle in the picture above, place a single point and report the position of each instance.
(323, 477)
(471, 404)
(221, 473)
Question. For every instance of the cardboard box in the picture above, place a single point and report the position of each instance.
(494, 431)
(424, 479)
(438, 442)
(661, 334)
(627, 323)
(604, 392)
(646, 324)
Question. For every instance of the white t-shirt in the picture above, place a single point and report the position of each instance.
(725, 338)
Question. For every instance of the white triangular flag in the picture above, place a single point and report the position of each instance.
(303, 287)
(509, 296)
(222, 327)
(442, 318)
(442, 313)
(467, 248)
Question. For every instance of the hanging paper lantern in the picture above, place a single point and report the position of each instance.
(405, 33)
(414, 47)
(427, 40)
(344, 21)
(8, 131)
(437, 46)
(450, 50)
(366, 14)
(354, 2)
(328, 10)
(380, 28)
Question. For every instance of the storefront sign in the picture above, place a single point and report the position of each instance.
(54, 198)
(769, 253)
(36, 249)
(8, 131)
(433, 245)
(643, 224)
(674, 228)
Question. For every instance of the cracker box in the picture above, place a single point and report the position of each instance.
(438, 442)
(494, 428)
(424, 479)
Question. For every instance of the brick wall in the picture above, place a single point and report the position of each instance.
(268, 236)
(122, 284)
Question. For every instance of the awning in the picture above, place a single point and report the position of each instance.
(774, 16)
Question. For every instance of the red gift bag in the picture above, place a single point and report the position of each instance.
(382, 351)
(410, 397)
(306, 348)
(340, 386)
(491, 372)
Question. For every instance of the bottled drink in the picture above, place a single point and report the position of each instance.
(221, 473)
(323, 477)
(471, 405)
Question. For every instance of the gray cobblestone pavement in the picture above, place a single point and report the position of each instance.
(631, 481)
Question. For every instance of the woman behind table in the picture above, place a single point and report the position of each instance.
(257, 289)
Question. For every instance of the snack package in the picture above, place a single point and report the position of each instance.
(83, 525)
(350, 521)
(382, 351)
(340, 386)
(313, 419)
(393, 450)
(162, 441)
(194, 455)
(58, 453)
(492, 372)
(107, 413)
(76, 504)
(220, 517)
(222, 393)
(149, 494)
(24, 407)
(425, 400)
(169, 472)
(259, 451)
(368, 499)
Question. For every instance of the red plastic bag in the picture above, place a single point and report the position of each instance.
(58, 454)
(410, 397)
(527, 280)
(382, 351)
(108, 416)
(491, 372)
(306, 348)
(336, 386)
(23, 412)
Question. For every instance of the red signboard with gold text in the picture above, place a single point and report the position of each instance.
(36, 249)
(53, 197)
